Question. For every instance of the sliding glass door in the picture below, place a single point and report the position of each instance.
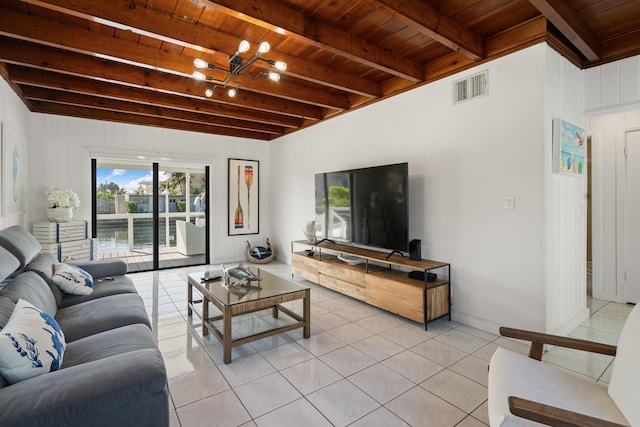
(182, 215)
(151, 216)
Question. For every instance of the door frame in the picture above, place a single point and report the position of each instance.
(100, 153)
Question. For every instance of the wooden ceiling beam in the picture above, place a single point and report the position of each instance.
(27, 54)
(426, 19)
(527, 34)
(51, 80)
(216, 44)
(112, 116)
(281, 19)
(561, 14)
(52, 33)
(75, 99)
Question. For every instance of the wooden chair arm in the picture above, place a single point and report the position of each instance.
(553, 416)
(538, 340)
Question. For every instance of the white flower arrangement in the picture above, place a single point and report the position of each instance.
(62, 198)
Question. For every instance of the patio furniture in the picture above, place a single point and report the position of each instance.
(190, 239)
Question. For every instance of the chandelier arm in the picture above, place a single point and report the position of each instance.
(246, 64)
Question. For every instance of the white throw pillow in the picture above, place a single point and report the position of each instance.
(72, 279)
(31, 344)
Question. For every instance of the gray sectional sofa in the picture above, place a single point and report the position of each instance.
(112, 373)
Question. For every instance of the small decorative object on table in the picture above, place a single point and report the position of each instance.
(60, 204)
(241, 273)
(310, 231)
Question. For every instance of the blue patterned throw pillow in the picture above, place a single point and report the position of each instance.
(31, 344)
(72, 280)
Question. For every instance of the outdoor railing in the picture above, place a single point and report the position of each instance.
(168, 219)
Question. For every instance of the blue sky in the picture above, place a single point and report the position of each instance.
(126, 178)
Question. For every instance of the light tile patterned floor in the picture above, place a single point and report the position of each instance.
(361, 367)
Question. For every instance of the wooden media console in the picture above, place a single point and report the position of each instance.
(379, 280)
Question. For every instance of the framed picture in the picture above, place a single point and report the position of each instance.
(13, 173)
(569, 148)
(244, 197)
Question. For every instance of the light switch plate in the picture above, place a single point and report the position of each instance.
(509, 202)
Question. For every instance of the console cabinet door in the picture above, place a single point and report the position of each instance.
(397, 295)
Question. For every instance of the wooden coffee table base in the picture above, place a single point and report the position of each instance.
(230, 311)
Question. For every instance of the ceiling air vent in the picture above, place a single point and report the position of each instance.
(470, 87)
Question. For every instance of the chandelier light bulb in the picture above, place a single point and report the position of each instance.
(274, 76)
(209, 92)
(281, 66)
(198, 75)
(244, 46)
(232, 92)
(199, 63)
(264, 47)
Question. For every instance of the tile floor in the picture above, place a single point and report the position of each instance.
(360, 367)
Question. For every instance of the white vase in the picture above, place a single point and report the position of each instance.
(59, 214)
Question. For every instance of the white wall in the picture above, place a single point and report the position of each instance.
(62, 153)
(14, 115)
(463, 161)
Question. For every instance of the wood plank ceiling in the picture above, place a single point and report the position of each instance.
(131, 61)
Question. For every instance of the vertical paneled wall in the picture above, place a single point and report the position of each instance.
(565, 205)
(608, 133)
(612, 87)
(612, 100)
(63, 147)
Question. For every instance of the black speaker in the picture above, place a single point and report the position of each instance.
(415, 249)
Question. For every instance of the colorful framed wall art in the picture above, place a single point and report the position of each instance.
(569, 148)
(244, 197)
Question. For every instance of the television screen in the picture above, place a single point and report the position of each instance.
(367, 206)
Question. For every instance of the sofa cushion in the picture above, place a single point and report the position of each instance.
(43, 265)
(72, 280)
(107, 344)
(31, 287)
(17, 240)
(102, 314)
(623, 387)
(31, 344)
(101, 288)
(8, 263)
(6, 308)
(515, 374)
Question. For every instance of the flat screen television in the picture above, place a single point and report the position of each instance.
(367, 207)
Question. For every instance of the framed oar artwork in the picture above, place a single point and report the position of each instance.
(244, 197)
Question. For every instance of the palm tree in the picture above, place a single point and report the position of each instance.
(176, 183)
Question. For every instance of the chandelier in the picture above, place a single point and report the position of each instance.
(238, 67)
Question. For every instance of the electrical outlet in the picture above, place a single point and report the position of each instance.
(509, 202)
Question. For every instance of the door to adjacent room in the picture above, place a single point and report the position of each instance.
(631, 219)
(152, 215)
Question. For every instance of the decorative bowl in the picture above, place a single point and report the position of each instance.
(350, 259)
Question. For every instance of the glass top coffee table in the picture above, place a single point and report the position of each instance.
(234, 297)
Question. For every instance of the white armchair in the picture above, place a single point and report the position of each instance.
(523, 391)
